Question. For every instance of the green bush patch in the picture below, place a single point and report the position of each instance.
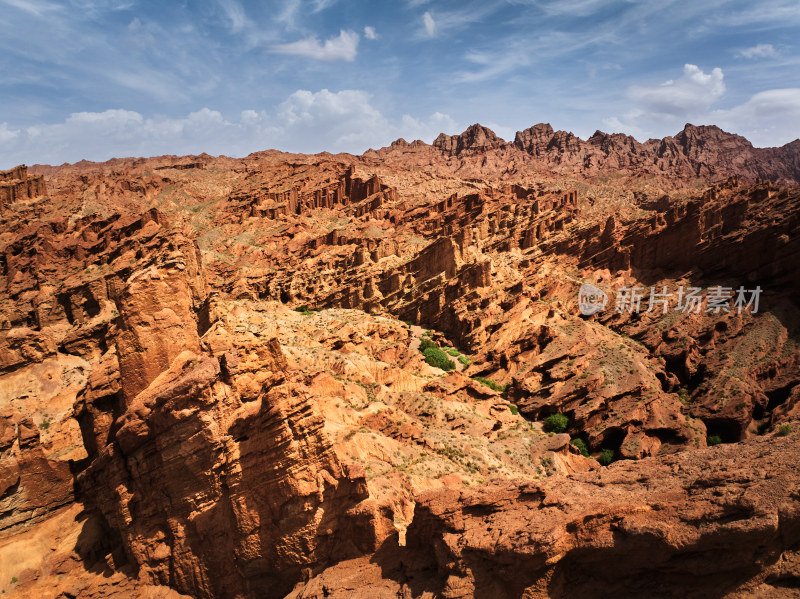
(426, 343)
(581, 445)
(556, 423)
(713, 440)
(491, 384)
(606, 457)
(437, 358)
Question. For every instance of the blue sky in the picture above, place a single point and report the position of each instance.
(102, 78)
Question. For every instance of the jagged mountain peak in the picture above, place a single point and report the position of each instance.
(475, 137)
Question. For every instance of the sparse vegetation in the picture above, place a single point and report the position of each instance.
(453, 352)
(784, 429)
(556, 423)
(465, 361)
(437, 358)
(45, 424)
(514, 409)
(683, 395)
(712, 440)
(303, 310)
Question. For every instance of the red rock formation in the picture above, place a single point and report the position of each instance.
(204, 354)
(257, 494)
(31, 486)
(16, 184)
(704, 152)
(476, 138)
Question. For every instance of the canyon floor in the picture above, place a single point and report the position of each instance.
(370, 376)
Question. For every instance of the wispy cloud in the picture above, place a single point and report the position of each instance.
(519, 51)
(429, 24)
(491, 65)
(439, 22)
(759, 51)
(568, 7)
(288, 16)
(766, 15)
(320, 5)
(369, 33)
(343, 47)
(234, 11)
(37, 8)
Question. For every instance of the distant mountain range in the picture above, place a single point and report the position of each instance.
(696, 151)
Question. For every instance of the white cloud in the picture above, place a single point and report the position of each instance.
(769, 118)
(6, 134)
(694, 90)
(759, 51)
(369, 33)
(430, 24)
(344, 121)
(344, 47)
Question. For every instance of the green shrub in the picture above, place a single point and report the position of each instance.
(556, 423)
(514, 409)
(436, 357)
(13, 580)
(45, 424)
(606, 457)
(713, 440)
(581, 445)
(426, 343)
(303, 309)
(784, 429)
(465, 361)
(453, 352)
(491, 384)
